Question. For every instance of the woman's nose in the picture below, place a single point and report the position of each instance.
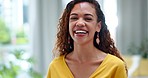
(80, 23)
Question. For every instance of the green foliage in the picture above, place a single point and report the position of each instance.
(133, 49)
(5, 38)
(140, 50)
(21, 37)
(4, 33)
(9, 72)
(20, 33)
(34, 74)
(22, 40)
(11, 69)
(144, 48)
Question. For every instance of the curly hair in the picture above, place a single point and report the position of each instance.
(106, 42)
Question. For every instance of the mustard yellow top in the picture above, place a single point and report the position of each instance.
(111, 67)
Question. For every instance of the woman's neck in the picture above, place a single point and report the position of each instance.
(85, 52)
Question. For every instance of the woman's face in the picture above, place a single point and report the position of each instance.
(83, 23)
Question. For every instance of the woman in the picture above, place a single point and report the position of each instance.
(84, 48)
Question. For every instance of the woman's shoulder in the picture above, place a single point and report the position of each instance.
(114, 60)
(57, 60)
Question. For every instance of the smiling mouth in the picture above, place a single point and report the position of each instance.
(80, 32)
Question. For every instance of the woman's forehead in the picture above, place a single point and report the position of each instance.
(84, 7)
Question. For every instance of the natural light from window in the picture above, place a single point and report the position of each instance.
(110, 11)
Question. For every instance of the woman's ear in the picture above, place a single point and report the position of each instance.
(98, 28)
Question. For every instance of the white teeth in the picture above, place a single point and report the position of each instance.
(80, 32)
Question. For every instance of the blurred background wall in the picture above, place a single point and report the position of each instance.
(44, 15)
(133, 26)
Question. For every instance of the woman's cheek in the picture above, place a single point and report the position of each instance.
(70, 30)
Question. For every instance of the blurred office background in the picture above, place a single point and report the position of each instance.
(28, 32)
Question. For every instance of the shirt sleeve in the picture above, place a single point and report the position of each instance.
(48, 73)
(121, 71)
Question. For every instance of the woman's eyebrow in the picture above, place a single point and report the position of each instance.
(88, 15)
(84, 14)
(73, 14)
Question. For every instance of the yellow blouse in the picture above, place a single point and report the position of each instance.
(111, 67)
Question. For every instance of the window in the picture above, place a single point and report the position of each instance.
(13, 15)
(15, 45)
(110, 11)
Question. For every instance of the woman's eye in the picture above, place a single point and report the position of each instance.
(88, 19)
(73, 18)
